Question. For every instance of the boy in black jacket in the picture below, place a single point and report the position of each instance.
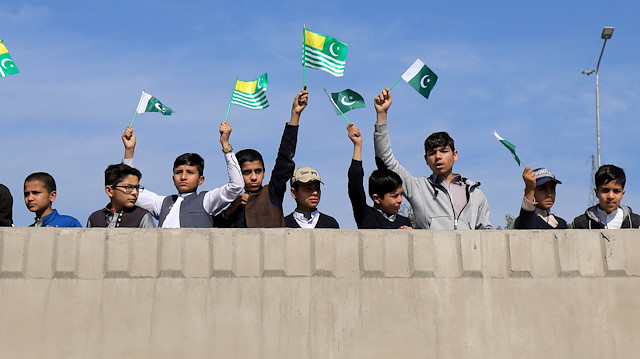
(305, 189)
(539, 197)
(385, 189)
(609, 213)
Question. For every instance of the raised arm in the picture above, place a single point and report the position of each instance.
(129, 141)
(218, 198)
(356, 175)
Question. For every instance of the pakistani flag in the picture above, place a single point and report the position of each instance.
(323, 53)
(251, 94)
(7, 67)
(509, 146)
(347, 100)
(420, 77)
(148, 103)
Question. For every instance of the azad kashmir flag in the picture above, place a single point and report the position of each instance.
(7, 67)
(323, 53)
(347, 100)
(251, 94)
(511, 147)
(148, 103)
(420, 77)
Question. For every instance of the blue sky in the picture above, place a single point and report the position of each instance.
(508, 66)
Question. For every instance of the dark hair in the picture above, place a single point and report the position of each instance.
(383, 181)
(249, 155)
(190, 159)
(116, 173)
(437, 140)
(47, 180)
(608, 173)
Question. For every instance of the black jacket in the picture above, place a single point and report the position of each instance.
(324, 221)
(589, 219)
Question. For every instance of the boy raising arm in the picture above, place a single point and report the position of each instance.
(444, 200)
(539, 197)
(189, 209)
(385, 189)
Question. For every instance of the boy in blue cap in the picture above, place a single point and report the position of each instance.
(539, 197)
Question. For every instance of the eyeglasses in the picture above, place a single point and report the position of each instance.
(128, 189)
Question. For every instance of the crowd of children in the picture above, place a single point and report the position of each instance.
(443, 200)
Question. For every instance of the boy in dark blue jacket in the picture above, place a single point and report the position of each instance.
(539, 197)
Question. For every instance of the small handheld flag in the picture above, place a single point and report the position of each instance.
(148, 103)
(420, 77)
(347, 100)
(251, 94)
(511, 147)
(336, 106)
(324, 53)
(7, 66)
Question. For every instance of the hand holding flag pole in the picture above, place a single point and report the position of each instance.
(336, 106)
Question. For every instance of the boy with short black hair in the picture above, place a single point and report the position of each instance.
(261, 206)
(539, 197)
(122, 185)
(6, 207)
(189, 209)
(444, 200)
(608, 213)
(385, 189)
(305, 190)
(39, 194)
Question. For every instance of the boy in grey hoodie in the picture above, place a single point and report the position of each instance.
(444, 200)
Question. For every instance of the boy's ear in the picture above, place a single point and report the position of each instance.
(455, 155)
(52, 196)
(377, 199)
(109, 191)
(201, 180)
(293, 193)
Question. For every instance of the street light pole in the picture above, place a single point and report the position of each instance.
(607, 31)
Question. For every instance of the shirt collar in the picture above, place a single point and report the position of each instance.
(305, 216)
(390, 218)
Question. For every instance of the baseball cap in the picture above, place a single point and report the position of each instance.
(305, 175)
(543, 176)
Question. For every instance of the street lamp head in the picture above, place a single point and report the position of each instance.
(585, 72)
(607, 31)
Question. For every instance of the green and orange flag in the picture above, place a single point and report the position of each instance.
(7, 67)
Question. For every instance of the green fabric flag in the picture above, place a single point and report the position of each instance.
(7, 67)
(420, 77)
(148, 103)
(510, 146)
(324, 53)
(347, 100)
(251, 94)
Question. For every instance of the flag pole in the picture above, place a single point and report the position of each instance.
(395, 83)
(336, 106)
(304, 58)
(229, 107)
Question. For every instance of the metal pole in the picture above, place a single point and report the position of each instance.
(598, 102)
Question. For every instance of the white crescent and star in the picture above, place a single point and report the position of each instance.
(159, 107)
(331, 49)
(260, 83)
(422, 84)
(5, 61)
(346, 103)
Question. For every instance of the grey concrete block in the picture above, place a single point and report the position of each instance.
(298, 253)
(447, 254)
(118, 250)
(171, 255)
(632, 252)
(248, 253)
(347, 253)
(568, 251)
(423, 253)
(396, 254)
(495, 256)
(223, 248)
(544, 254)
(614, 251)
(14, 250)
(39, 257)
(591, 255)
(373, 248)
(324, 253)
(471, 251)
(275, 250)
(520, 253)
(91, 255)
(196, 247)
(144, 261)
(67, 253)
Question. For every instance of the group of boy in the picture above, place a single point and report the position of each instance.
(444, 200)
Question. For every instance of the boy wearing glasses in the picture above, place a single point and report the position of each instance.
(122, 185)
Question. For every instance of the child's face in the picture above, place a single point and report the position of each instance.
(545, 195)
(441, 160)
(390, 202)
(119, 197)
(37, 198)
(307, 196)
(610, 194)
(253, 175)
(187, 178)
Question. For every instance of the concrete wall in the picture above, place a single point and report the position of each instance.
(96, 293)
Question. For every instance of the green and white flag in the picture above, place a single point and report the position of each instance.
(511, 147)
(7, 67)
(420, 77)
(251, 94)
(148, 103)
(347, 100)
(323, 53)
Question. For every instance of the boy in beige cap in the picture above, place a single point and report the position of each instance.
(305, 190)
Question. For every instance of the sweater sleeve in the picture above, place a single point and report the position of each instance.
(218, 198)
(382, 147)
(284, 167)
(356, 191)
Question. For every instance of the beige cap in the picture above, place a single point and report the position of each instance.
(305, 175)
